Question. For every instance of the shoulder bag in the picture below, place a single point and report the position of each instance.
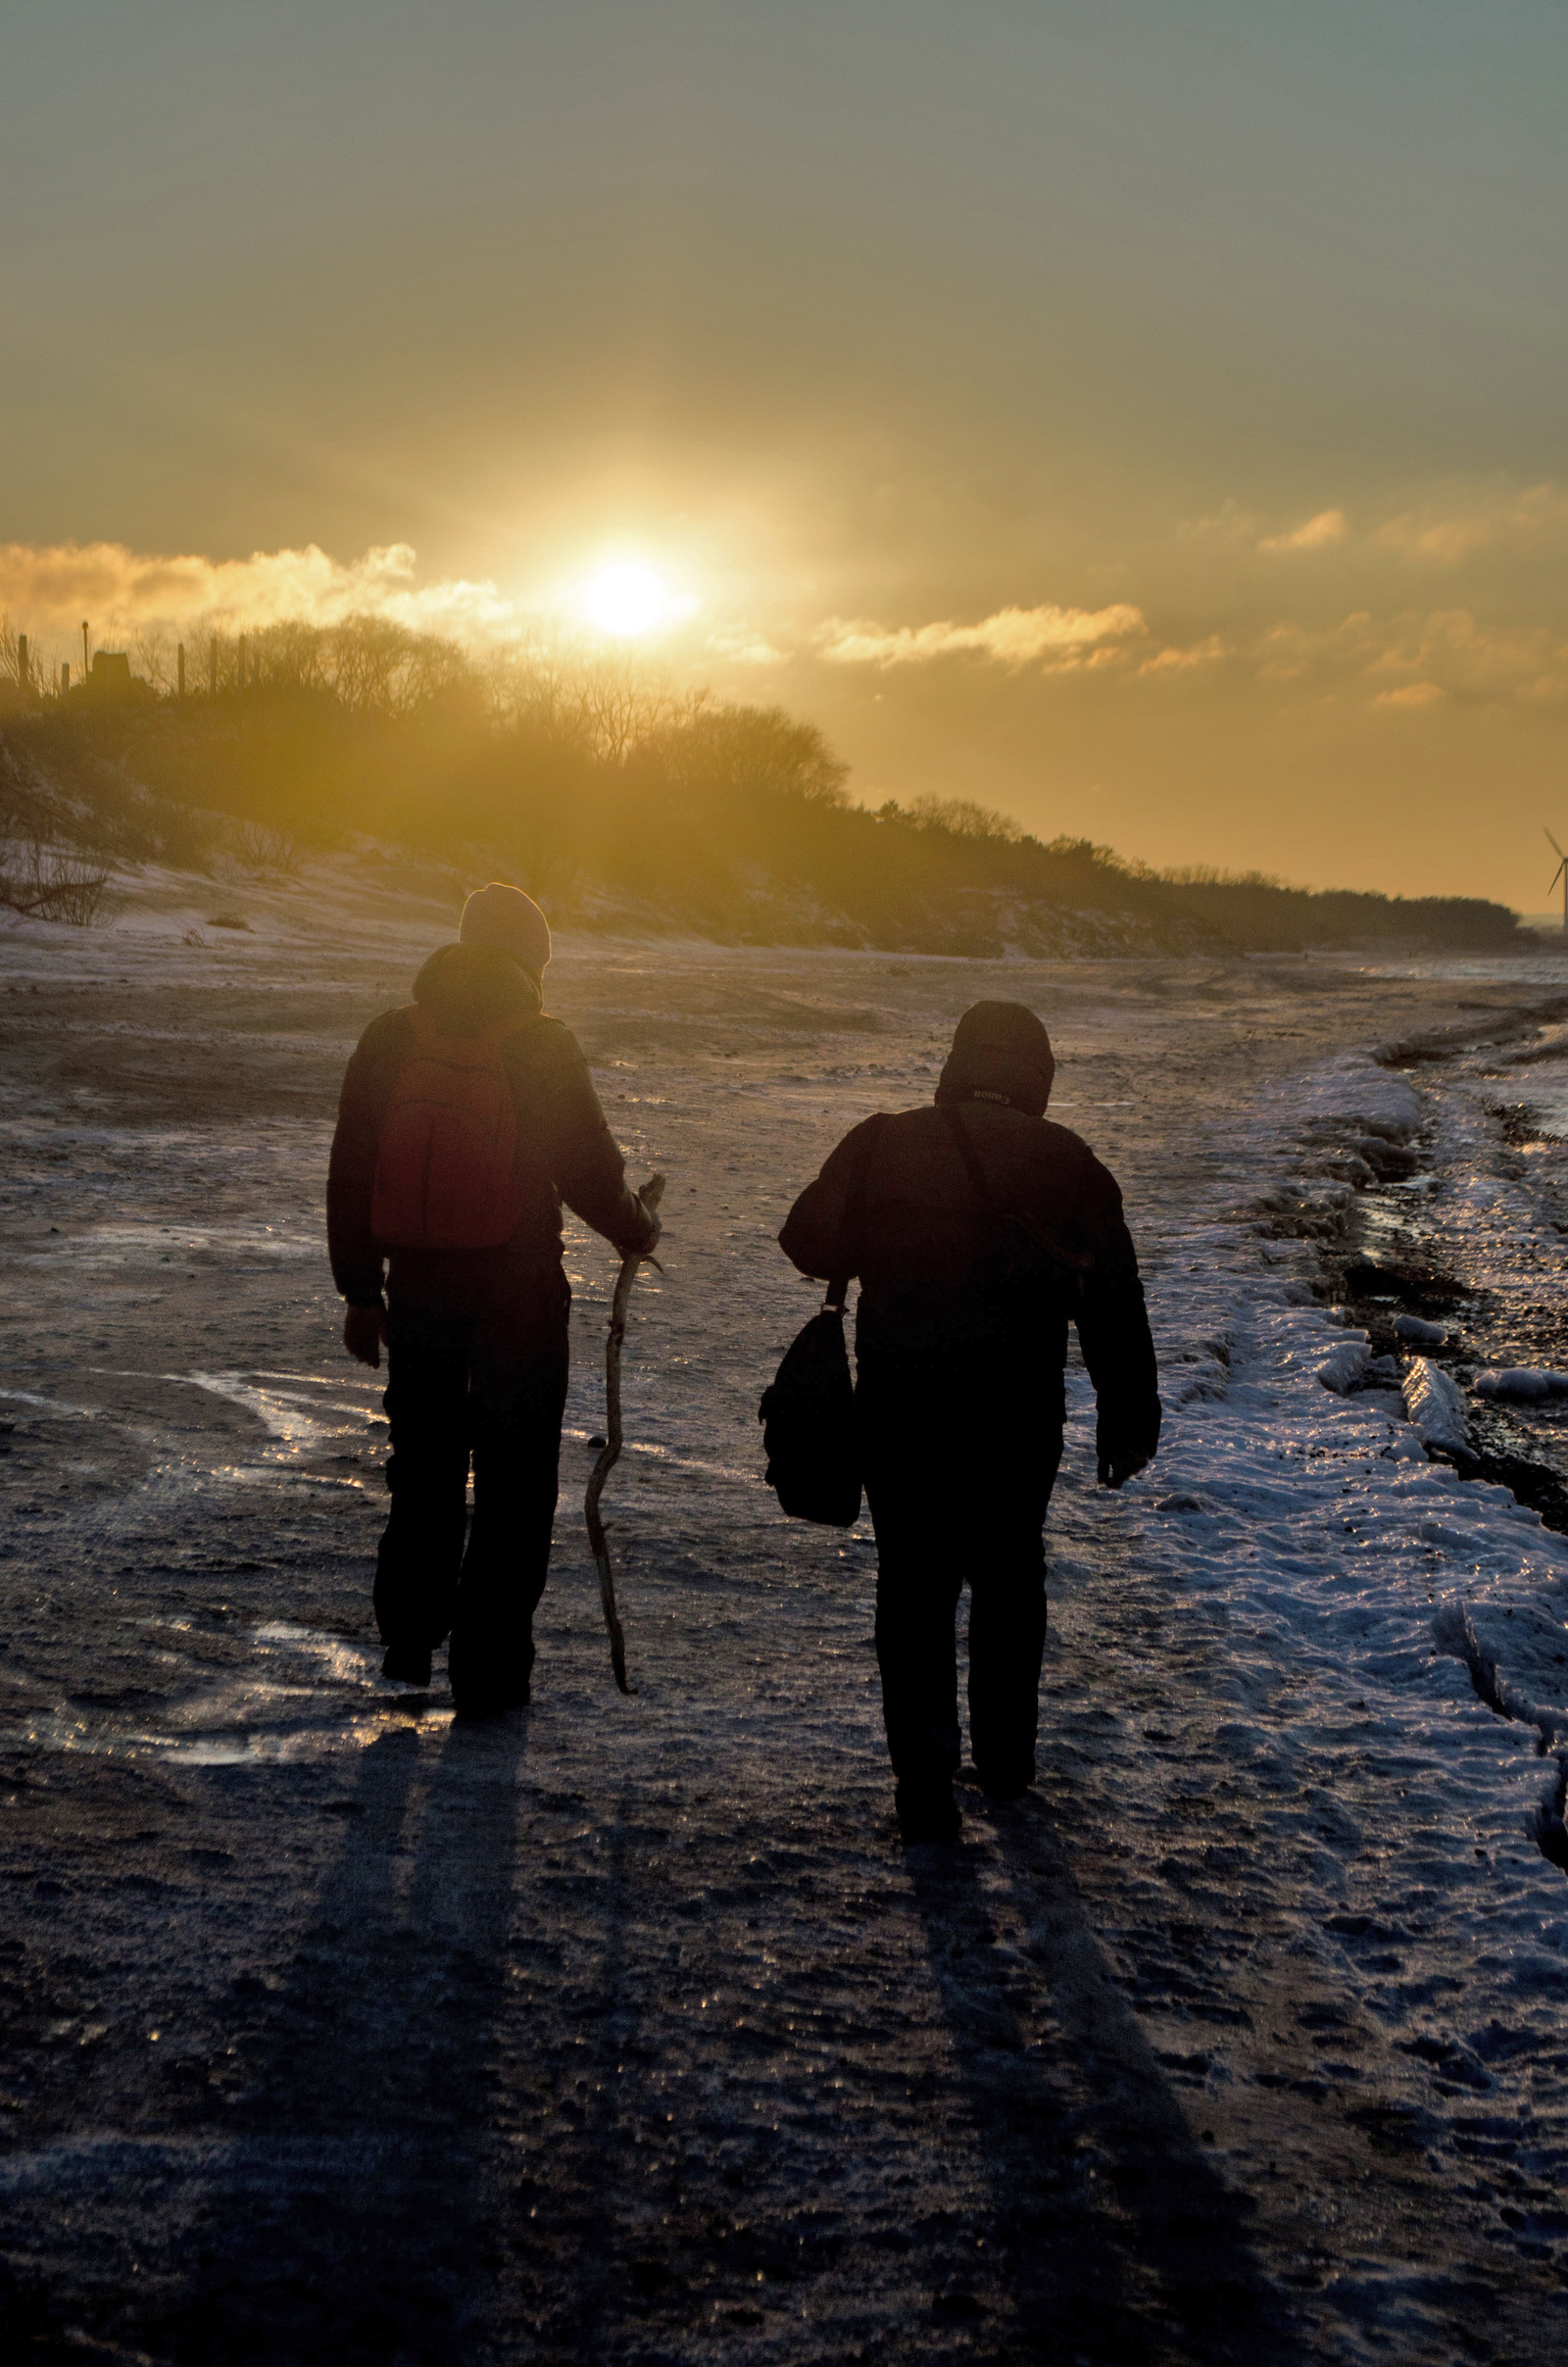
(808, 1415)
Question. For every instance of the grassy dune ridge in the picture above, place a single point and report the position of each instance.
(611, 797)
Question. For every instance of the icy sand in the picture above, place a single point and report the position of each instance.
(625, 2030)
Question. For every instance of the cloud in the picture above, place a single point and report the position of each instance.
(1059, 640)
(1173, 660)
(1447, 534)
(1411, 659)
(123, 592)
(743, 647)
(1327, 527)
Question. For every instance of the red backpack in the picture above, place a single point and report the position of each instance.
(443, 1175)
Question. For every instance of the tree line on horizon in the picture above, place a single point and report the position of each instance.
(587, 779)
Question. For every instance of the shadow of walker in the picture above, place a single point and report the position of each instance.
(1110, 2236)
(349, 2221)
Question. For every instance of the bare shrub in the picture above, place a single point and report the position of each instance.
(261, 847)
(50, 883)
(964, 817)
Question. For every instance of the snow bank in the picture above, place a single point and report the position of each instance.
(1529, 1383)
(1353, 1091)
(1344, 1363)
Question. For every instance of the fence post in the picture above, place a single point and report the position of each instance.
(179, 667)
(64, 683)
(212, 667)
(24, 670)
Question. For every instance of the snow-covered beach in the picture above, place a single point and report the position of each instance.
(627, 2031)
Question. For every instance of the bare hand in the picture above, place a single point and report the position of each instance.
(650, 1196)
(364, 1330)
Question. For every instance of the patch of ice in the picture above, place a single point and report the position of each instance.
(279, 1413)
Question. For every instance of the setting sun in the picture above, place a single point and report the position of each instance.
(627, 600)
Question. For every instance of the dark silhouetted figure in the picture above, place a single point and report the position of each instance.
(466, 1118)
(978, 1230)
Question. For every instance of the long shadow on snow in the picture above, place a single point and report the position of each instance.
(351, 2222)
(1112, 2234)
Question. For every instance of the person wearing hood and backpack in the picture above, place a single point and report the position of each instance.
(978, 1229)
(465, 1119)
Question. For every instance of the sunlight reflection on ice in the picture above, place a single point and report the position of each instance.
(239, 1722)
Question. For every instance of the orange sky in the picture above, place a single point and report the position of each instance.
(1147, 420)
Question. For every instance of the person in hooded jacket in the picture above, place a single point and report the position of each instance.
(476, 1338)
(978, 1230)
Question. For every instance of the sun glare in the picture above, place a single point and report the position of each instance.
(627, 600)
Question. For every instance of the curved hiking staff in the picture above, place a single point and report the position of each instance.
(650, 1193)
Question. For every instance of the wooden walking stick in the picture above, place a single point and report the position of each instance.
(651, 1194)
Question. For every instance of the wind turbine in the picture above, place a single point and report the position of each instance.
(1561, 872)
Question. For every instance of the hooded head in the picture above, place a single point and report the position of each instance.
(1000, 1053)
(504, 920)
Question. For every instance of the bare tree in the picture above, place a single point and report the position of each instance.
(51, 883)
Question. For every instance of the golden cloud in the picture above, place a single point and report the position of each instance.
(1059, 640)
(123, 592)
(1447, 533)
(1319, 533)
(1173, 660)
(1448, 652)
(743, 647)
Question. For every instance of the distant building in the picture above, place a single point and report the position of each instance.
(110, 678)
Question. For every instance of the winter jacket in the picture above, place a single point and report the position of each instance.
(565, 1150)
(958, 1289)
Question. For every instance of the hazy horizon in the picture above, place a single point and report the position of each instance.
(1146, 422)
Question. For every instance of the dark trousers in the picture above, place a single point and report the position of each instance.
(477, 1373)
(958, 1472)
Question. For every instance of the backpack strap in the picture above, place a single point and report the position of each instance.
(847, 1250)
(1070, 1270)
(979, 1182)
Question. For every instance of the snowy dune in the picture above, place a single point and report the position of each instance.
(629, 2030)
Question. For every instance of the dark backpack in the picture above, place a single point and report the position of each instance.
(444, 1167)
(808, 1415)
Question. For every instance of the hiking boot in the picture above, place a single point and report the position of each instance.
(489, 1680)
(408, 1664)
(926, 1814)
(1004, 1782)
(490, 1700)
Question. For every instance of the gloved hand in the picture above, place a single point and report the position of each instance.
(364, 1330)
(1121, 1464)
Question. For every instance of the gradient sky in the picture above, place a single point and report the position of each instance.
(1147, 418)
